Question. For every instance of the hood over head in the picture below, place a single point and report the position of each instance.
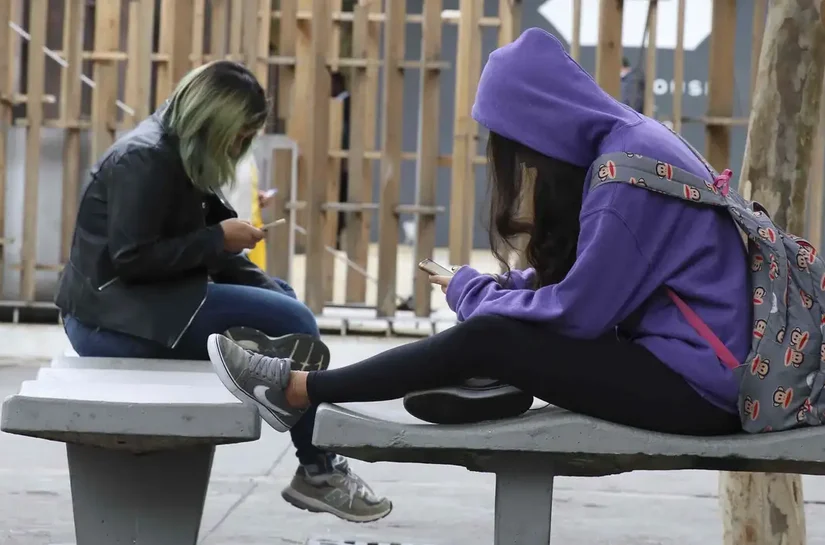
(533, 92)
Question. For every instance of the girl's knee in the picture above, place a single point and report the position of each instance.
(305, 322)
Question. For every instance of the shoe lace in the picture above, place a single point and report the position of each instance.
(266, 368)
(355, 486)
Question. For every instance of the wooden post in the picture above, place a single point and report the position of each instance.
(509, 14)
(763, 508)
(757, 32)
(576, 38)
(70, 94)
(333, 178)
(38, 10)
(6, 92)
(287, 120)
(301, 99)
(287, 36)
(650, 58)
(427, 164)
(721, 86)
(359, 184)
(462, 190)
(217, 40)
(143, 107)
(609, 49)
(249, 39)
(104, 95)
(133, 36)
(316, 150)
(175, 44)
(139, 63)
(248, 25)
(198, 27)
(264, 24)
(236, 10)
(391, 136)
(679, 67)
(366, 36)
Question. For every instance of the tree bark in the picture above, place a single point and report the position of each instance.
(759, 508)
(785, 115)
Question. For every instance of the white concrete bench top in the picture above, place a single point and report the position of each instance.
(75, 362)
(130, 393)
(128, 376)
(132, 404)
(574, 444)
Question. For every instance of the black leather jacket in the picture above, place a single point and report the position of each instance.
(147, 242)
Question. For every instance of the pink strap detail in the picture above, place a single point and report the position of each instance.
(722, 182)
(722, 352)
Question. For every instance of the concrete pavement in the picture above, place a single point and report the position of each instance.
(434, 505)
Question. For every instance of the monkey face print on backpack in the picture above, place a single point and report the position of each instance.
(781, 380)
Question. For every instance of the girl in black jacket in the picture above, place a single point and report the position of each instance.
(156, 264)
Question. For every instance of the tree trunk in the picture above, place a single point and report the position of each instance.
(759, 508)
(785, 115)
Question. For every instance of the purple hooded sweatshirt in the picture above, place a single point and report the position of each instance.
(633, 242)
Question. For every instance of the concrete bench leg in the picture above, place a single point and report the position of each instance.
(155, 498)
(524, 501)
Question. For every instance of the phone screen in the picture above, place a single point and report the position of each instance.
(431, 267)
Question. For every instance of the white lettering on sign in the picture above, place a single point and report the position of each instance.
(691, 88)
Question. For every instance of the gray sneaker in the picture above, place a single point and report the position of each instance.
(255, 379)
(335, 490)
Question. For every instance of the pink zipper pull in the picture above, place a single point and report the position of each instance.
(722, 182)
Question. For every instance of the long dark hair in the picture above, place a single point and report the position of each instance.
(553, 225)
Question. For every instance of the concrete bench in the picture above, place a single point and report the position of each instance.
(526, 453)
(140, 438)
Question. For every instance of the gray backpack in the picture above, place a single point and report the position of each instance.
(781, 381)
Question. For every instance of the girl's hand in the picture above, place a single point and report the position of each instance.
(266, 197)
(442, 281)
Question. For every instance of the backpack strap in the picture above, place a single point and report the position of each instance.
(721, 181)
(722, 352)
(658, 176)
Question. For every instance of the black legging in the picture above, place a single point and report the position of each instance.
(606, 378)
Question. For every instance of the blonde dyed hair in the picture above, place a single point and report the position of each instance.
(212, 106)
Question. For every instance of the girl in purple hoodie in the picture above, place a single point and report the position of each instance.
(589, 326)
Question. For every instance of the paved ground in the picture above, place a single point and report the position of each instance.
(433, 505)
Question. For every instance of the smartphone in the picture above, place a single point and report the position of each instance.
(273, 224)
(431, 267)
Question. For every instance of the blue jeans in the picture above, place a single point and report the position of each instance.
(226, 306)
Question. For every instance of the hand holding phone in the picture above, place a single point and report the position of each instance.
(435, 269)
(265, 197)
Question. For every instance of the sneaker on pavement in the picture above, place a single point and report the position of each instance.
(475, 400)
(307, 353)
(256, 379)
(335, 489)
